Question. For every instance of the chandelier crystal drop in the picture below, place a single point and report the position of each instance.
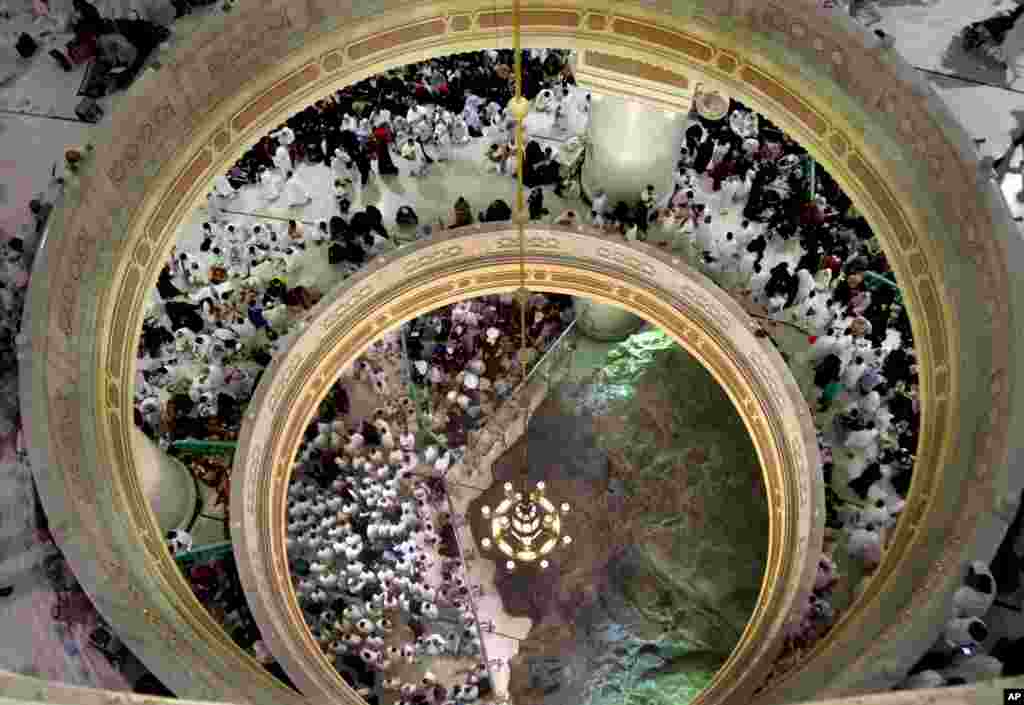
(527, 528)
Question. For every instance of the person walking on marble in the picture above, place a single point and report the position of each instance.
(342, 166)
(443, 140)
(382, 139)
(271, 184)
(283, 160)
(214, 209)
(295, 192)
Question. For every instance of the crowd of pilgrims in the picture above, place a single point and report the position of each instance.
(815, 265)
(415, 114)
(219, 316)
(372, 546)
(806, 259)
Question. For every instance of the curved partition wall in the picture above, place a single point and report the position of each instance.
(856, 106)
(478, 260)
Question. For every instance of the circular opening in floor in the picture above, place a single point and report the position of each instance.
(615, 549)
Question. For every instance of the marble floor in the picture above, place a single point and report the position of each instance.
(37, 124)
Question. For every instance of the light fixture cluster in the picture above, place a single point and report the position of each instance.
(525, 529)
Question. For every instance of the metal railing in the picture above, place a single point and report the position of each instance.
(547, 367)
(205, 553)
(205, 447)
(557, 353)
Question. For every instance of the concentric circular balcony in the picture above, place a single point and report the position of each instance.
(884, 136)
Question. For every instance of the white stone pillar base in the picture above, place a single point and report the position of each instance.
(166, 482)
(630, 145)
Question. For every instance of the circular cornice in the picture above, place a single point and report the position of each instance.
(857, 108)
(478, 260)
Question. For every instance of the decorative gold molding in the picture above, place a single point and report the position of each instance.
(681, 42)
(890, 144)
(529, 19)
(630, 67)
(395, 38)
(294, 83)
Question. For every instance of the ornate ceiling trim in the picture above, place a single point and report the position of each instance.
(886, 138)
(478, 260)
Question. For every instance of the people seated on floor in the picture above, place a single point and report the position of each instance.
(498, 211)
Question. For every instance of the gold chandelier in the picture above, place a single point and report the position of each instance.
(524, 529)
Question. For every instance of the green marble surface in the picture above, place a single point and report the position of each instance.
(684, 447)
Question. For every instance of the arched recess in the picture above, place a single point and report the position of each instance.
(857, 107)
(478, 260)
